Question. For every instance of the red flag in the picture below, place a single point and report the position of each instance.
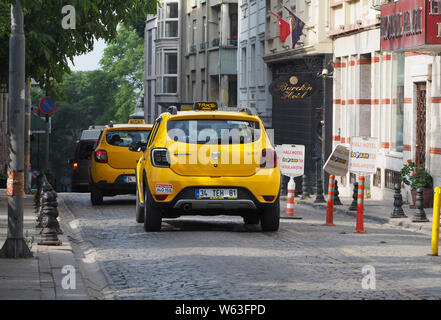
(285, 28)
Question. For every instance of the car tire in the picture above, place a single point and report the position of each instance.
(96, 196)
(139, 209)
(270, 219)
(152, 215)
(251, 220)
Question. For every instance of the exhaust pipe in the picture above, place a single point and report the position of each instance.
(187, 207)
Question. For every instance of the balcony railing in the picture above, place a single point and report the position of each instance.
(202, 45)
(192, 48)
(230, 42)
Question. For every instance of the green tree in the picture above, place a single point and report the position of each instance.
(86, 99)
(49, 46)
(123, 59)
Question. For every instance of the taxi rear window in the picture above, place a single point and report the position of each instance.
(123, 138)
(214, 131)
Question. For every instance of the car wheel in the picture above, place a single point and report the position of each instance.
(270, 218)
(251, 220)
(152, 215)
(96, 196)
(139, 209)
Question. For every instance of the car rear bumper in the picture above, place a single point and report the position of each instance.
(263, 183)
(117, 187)
(187, 204)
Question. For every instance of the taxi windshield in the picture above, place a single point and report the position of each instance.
(214, 131)
(123, 138)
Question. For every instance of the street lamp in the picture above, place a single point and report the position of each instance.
(325, 74)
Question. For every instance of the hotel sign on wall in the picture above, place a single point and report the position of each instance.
(411, 24)
(293, 87)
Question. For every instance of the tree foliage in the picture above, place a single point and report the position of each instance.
(49, 46)
(87, 100)
(123, 59)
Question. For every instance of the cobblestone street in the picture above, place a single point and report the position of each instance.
(220, 258)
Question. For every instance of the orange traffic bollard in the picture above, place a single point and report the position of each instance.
(330, 208)
(290, 198)
(360, 202)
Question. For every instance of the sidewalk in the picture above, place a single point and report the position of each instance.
(375, 210)
(40, 277)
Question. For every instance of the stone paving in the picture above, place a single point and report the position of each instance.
(39, 277)
(220, 258)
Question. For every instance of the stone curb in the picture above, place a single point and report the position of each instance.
(405, 223)
(96, 279)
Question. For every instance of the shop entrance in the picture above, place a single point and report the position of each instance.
(420, 146)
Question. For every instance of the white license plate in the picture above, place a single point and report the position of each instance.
(216, 193)
(129, 179)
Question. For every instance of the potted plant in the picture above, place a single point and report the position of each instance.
(416, 176)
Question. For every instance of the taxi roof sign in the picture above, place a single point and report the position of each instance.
(205, 106)
(136, 121)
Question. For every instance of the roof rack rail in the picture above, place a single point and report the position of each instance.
(247, 111)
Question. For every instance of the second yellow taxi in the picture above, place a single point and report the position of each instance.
(112, 170)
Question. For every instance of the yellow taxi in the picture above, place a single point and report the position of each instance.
(114, 160)
(208, 162)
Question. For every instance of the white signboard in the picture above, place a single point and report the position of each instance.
(291, 159)
(363, 155)
(338, 161)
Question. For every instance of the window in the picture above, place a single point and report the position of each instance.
(262, 76)
(204, 90)
(204, 29)
(120, 138)
(168, 26)
(397, 109)
(193, 38)
(168, 71)
(244, 67)
(149, 52)
(208, 131)
(253, 65)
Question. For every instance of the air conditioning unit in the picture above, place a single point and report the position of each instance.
(376, 4)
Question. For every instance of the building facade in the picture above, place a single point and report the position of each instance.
(301, 97)
(162, 49)
(253, 73)
(387, 86)
(190, 54)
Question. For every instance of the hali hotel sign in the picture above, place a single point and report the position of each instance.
(411, 24)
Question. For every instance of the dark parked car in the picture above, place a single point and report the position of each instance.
(82, 160)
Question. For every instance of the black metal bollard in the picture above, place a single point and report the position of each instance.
(337, 201)
(51, 227)
(420, 215)
(40, 182)
(305, 188)
(353, 206)
(398, 211)
(319, 198)
(37, 197)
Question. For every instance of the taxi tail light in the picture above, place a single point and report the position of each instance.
(268, 198)
(101, 156)
(160, 197)
(268, 159)
(160, 158)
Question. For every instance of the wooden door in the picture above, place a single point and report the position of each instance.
(420, 147)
